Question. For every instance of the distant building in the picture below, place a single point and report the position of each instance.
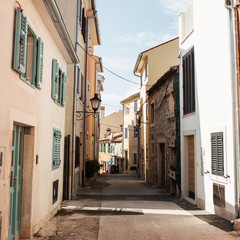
(164, 133)
(131, 106)
(110, 153)
(150, 66)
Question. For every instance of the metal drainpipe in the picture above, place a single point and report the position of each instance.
(75, 106)
(235, 101)
(85, 103)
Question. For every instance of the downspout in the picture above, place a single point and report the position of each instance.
(123, 129)
(233, 50)
(75, 107)
(85, 94)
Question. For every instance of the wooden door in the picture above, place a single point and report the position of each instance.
(16, 182)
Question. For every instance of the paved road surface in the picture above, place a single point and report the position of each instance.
(121, 207)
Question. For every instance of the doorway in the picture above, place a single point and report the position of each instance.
(161, 165)
(191, 168)
(16, 182)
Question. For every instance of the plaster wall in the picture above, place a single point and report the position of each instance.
(210, 39)
(36, 111)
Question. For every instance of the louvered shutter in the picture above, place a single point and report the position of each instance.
(20, 45)
(56, 148)
(55, 79)
(39, 64)
(217, 154)
(64, 82)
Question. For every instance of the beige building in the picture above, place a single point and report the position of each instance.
(130, 133)
(83, 28)
(112, 121)
(150, 66)
(34, 68)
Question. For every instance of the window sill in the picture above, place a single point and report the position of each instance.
(27, 82)
(189, 114)
(218, 179)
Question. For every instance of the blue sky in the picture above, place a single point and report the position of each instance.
(128, 27)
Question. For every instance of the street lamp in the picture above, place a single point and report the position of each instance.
(95, 102)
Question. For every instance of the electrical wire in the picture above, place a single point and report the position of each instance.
(115, 74)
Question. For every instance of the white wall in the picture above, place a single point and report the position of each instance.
(210, 39)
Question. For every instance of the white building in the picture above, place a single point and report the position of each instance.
(207, 93)
(130, 137)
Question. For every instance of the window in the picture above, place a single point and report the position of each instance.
(146, 70)
(217, 154)
(100, 147)
(188, 83)
(152, 113)
(104, 147)
(80, 12)
(81, 95)
(28, 52)
(147, 111)
(83, 25)
(78, 84)
(126, 132)
(56, 148)
(58, 84)
(135, 158)
(109, 149)
(135, 132)
(77, 152)
(135, 105)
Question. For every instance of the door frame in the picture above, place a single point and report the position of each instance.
(15, 187)
(185, 180)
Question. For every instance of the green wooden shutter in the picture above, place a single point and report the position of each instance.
(39, 64)
(104, 147)
(217, 154)
(20, 45)
(108, 147)
(56, 148)
(55, 73)
(64, 82)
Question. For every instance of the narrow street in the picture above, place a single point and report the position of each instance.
(123, 207)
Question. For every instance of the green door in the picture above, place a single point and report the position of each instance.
(16, 182)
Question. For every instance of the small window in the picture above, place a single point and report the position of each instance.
(135, 132)
(135, 158)
(147, 111)
(109, 148)
(104, 147)
(78, 80)
(146, 70)
(83, 25)
(217, 153)
(58, 84)
(56, 160)
(152, 113)
(28, 52)
(126, 132)
(188, 83)
(135, 105)
(81, 90)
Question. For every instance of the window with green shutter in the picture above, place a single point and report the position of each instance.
(58, 84)
(56, 160)
(104, 147)
(217, 153)
(28, 52)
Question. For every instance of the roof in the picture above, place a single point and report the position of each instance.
(161, 80)
(112, 137)
(135, 95)
(141, 54)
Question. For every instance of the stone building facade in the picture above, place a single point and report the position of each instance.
(164, 137)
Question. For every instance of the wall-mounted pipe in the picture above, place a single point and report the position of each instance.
(61, 28)
(233, 49)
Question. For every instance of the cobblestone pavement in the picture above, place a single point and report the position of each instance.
(124, 208)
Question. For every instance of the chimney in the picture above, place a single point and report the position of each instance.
(102, 111)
